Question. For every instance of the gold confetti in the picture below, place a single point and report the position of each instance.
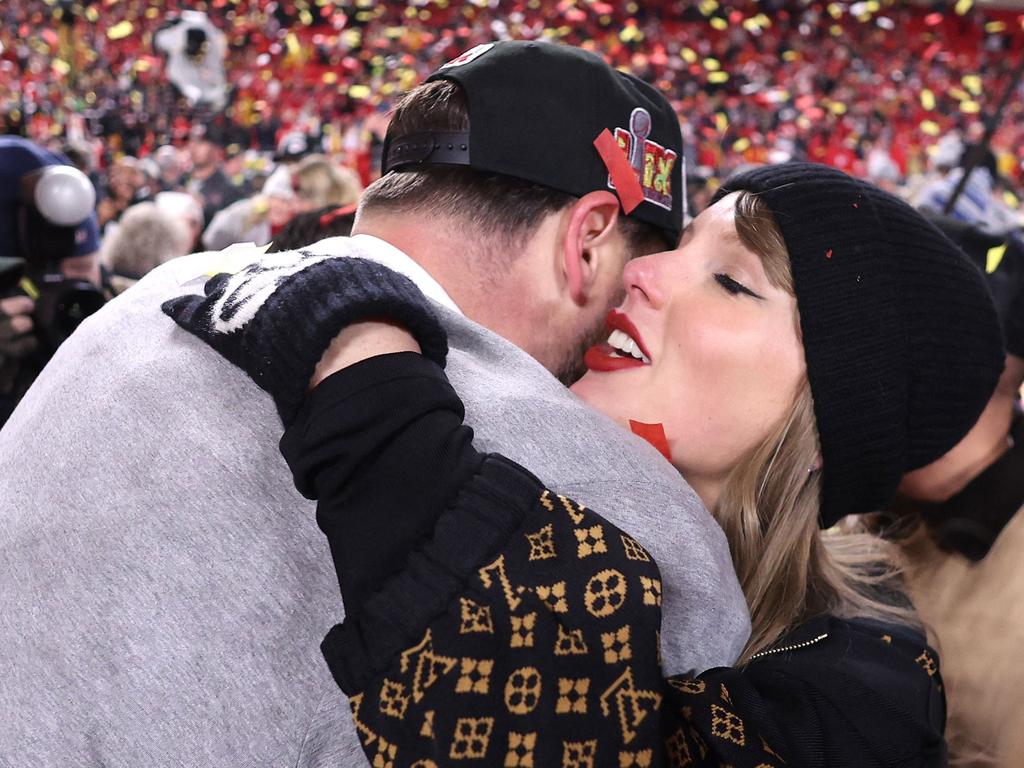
(970, 107)
(330, 77)
(741, 145)
(927, 99)
(972, 83)
(712, 65)
(930, 127)
(719, 23)
(359, 91)
(963, 6)
(689, 55)
(718, 77)
(994, 257)
(120, 30)
(995, 26)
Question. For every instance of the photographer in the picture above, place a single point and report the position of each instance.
(49, 264)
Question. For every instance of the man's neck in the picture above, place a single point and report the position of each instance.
(447, 255)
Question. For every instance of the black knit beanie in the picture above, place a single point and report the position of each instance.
(900, 335)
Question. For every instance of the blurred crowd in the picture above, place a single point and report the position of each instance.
(867, 86)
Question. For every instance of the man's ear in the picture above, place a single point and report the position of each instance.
(591, 233)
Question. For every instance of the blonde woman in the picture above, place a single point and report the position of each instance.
(810, 340)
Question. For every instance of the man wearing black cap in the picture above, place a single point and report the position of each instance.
(181, 619)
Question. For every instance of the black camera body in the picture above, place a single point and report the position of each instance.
(62, 303)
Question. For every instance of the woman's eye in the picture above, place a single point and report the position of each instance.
(733, 287)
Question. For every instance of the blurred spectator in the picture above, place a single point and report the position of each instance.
(195, 51)
(313, 226)
(208, 180)
(315, 182)
(146, 236)
(186, 208)
(978, 203)
(125, 187)
(171, 164)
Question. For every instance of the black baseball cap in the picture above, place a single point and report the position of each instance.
(562, 117)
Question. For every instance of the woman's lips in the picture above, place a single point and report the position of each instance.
(604, 357)
(619, 321)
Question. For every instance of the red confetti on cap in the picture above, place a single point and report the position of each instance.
(627, 186)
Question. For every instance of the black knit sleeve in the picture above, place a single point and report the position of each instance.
(516, 627)
(381, 446)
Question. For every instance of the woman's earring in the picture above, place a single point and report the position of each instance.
(815, 467)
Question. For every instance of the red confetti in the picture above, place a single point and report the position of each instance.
(828, 254)
(627, 186)
(856, 206)
(653, 434)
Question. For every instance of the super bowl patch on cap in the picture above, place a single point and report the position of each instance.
(468, 56)
(652, 162)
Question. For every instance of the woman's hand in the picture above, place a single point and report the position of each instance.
(360, 341)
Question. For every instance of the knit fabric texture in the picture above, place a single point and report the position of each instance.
(901, 338)
(275, 324)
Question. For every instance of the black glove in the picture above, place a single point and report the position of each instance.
(275, 318)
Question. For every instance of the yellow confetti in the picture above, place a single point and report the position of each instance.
(711, 65)
(142, 65)
(718, 77)
(60, 66)
(1010, 199)
(930, 127)
(152, 13)
(741, 145)
(963, 6)
(972, 83)
(763, 20)
(630, 34)
(719, 23)
(689, 55)
(959, 94)
(837, 108)
(721, 121)
(707, 7)
(305, 17)
(835, 30)
(927, 99)
(790, 55)
(359, 91)
(994, 257)
(995, 26)
(751, 25)
(873, 6)
(292, 43)
(330, 77)
(970, 107)
(120, 30)
(91, 14)
(835, 10)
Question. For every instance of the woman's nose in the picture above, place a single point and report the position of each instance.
(640, 278)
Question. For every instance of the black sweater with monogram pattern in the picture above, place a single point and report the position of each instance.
(491, 621)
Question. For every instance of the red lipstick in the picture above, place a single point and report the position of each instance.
(604, 357)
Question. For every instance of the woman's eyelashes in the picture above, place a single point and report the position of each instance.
(733, 287)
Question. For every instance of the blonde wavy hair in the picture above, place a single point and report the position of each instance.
(789, 569)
